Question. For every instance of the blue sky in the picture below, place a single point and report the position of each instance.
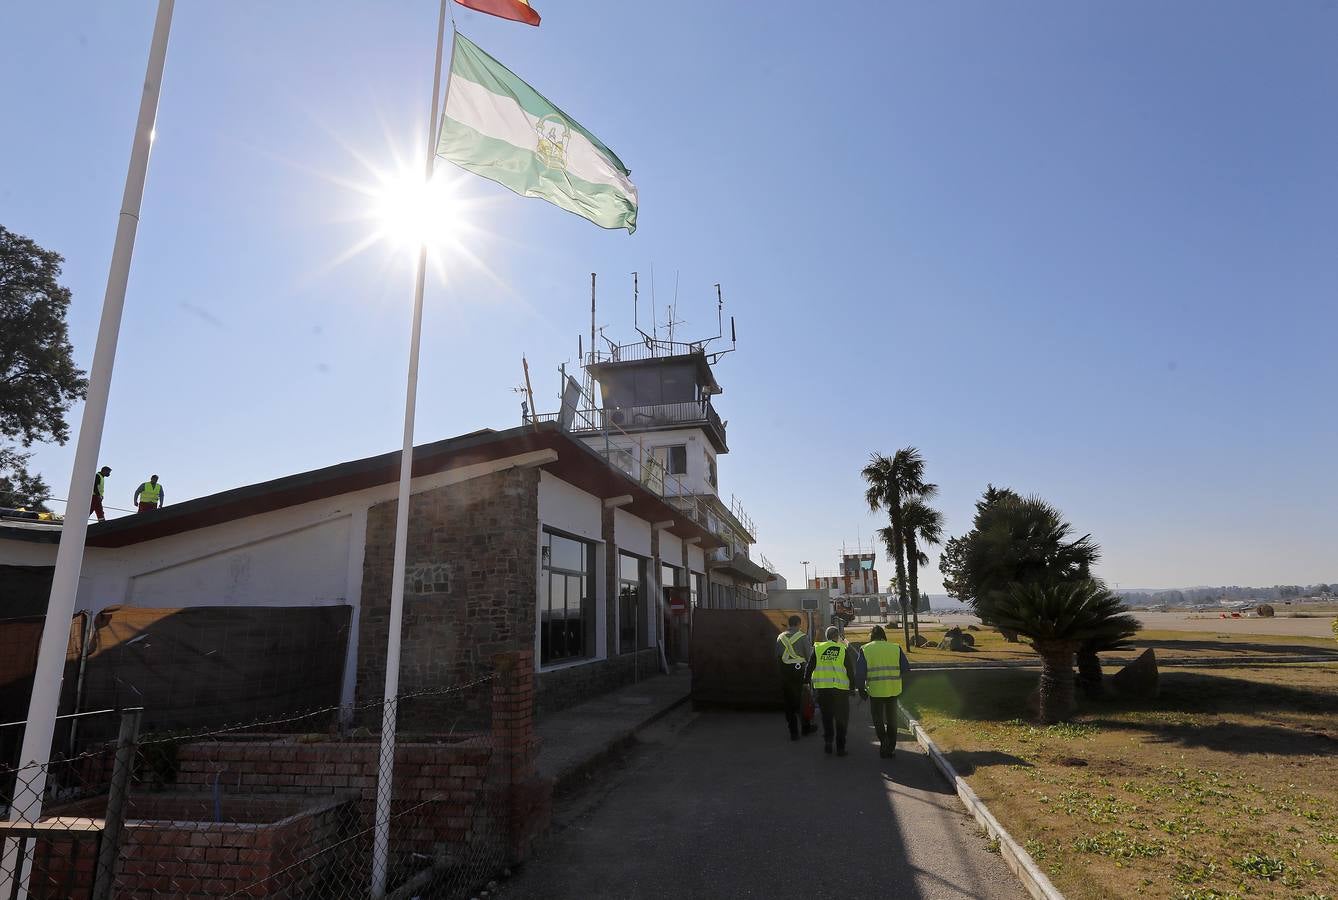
(1086, 250)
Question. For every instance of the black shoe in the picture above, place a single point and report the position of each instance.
(826, 748)
(842, 752)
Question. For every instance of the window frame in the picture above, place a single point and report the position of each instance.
(587, 618)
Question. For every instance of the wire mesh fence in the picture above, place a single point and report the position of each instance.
(283, 807)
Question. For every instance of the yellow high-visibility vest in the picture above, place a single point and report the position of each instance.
(150, 492)
(788, 654)
(884, 669)
(830, 671)
(99, 486)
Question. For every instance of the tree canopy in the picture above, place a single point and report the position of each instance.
(1013, 540)
(39, 381)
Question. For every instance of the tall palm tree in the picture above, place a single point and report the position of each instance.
(1057, 618)
(892, 481)
(923, 528)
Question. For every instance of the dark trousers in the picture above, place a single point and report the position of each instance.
(884, 711)
(792, 692)
(835, 706)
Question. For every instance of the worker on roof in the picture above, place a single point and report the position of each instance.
(99, 491)
(149, 495)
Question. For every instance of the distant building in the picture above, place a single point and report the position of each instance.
(857, 576)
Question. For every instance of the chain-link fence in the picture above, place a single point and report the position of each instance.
(284, 807)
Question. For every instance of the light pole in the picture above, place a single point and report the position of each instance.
(805, 574)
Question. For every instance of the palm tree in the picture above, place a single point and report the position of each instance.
(923, 527)
(893, 480)
(1057, 618)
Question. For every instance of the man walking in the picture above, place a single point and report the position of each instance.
(792, 652)
(832, 671)
(885, 669)
(99, 491)
(149, 495)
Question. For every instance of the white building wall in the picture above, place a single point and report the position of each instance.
(699, 454)
(671, 549)
(306, 567)
(631, 534)
(696, 559)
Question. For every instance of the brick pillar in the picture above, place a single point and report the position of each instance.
(513, 736)
(529, 798)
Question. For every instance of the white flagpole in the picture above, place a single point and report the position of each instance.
(41, 724)
(386, 766)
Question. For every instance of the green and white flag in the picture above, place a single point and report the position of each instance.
(497, 126)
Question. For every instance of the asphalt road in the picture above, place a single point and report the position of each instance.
(724, 805)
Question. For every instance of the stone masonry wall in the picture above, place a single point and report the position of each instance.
(469, 593)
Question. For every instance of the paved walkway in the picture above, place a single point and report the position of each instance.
(723, 805)
(577, 738)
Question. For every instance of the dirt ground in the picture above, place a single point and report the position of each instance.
(1226, 786)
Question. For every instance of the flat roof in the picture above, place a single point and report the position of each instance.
(576, 464)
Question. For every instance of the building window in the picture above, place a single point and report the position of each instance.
(632, 631)
(696, 581)
(710, 471)
(677, 459)
(566, 599)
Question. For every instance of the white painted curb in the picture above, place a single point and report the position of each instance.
(1018, 859)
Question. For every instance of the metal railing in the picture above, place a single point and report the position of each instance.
(660, 415)
(648, 348)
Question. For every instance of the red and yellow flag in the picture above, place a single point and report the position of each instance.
(516, 10)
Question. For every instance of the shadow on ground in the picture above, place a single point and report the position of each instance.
(1233, 648)
(967, 761)
(1000, 695)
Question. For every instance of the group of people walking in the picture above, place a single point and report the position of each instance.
(832, 669)
(148, 496)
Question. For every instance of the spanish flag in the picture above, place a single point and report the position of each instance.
(516, 10)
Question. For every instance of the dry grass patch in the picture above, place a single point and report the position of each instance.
(1226, 786)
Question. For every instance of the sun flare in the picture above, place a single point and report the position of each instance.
(410, 212)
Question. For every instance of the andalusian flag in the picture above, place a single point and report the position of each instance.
(499, 127)
(516, 10)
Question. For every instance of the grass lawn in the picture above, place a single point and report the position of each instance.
(1225, 786)
(990, 646)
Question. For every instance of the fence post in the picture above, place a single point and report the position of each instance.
(127, 743)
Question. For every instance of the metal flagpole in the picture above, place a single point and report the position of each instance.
(386, 767)
(41, 724)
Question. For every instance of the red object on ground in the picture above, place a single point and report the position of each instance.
(515, 10)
